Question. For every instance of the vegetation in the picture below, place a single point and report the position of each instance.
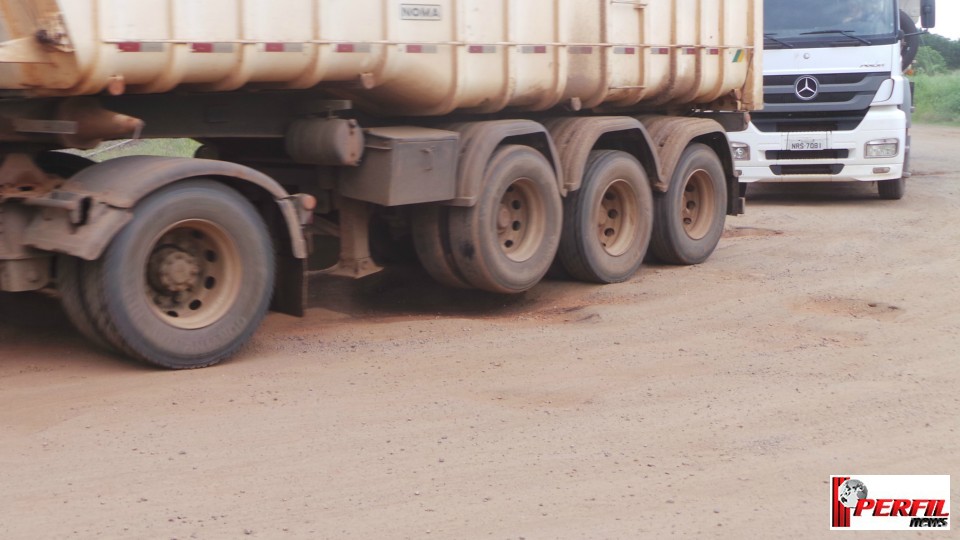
(929, 61)
(937, 98)
(937, 80)
(947, 49)
(146, 147)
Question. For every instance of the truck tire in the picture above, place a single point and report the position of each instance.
(690, 216)
(69, 269)
(70, 287)
(608, 222)
(892, 190)
(187, 282)
(508, 240)
(431, 241)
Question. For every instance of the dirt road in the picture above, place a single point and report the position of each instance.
(713, 401)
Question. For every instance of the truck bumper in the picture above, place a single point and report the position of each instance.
(767, 163)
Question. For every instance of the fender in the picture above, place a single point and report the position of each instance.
(671, 136)
(577, 137)
(479, 141)
(109, 191)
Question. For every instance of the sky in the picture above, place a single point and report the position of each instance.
(948, 19)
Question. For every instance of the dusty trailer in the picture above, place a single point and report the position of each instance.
(499, 136)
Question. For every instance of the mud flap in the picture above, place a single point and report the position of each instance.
(290, 294)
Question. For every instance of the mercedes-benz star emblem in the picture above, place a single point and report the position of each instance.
(807, 88)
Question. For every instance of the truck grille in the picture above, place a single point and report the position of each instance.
(829, 78)
(840, 105)
(808, 121)
(776, 155)
(804, 170)
(822, 98)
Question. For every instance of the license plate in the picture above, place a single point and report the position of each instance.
(807, 143)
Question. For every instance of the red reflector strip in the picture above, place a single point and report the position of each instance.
(714, 52)
(533, 49)
(422, 49)
(481, 49)
(580, 49)
(211, 47)
(689, 50)
(141, 47)
(660, 50)
(282, 47)
(352, 47)
(624, 50)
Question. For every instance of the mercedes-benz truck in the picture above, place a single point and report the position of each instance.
(837, 106)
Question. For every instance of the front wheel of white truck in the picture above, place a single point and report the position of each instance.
(892, 190)
(187, 282)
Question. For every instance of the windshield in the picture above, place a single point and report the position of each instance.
(829, 23)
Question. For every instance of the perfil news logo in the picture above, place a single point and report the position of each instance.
(890, 502)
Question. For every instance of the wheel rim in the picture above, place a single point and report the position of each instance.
(193, 274)
(617, 218)
(520, 221)
(698, 204)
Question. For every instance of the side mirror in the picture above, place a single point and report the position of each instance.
(928, 13)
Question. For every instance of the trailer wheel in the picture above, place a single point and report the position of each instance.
(690, 216)
(187, 282)
(431, 241)
(508, 240)
(892, 190)
(69, 270)
(608, 222)
(70, 287)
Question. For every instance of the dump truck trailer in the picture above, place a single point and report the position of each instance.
(499, 138)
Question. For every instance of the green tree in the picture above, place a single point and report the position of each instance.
(949, 49)
(929, 61)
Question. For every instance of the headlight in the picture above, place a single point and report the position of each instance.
(882, 148)
(741, 151)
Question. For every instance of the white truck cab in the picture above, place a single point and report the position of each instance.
(837, 106)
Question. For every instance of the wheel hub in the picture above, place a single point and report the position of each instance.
(176, 271)
(698, 198)
(617, 219)
(193, 275)
(513, 218)
(504, 219)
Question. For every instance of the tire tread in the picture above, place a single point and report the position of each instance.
(103, 297)
(573, 252)
(670, 243)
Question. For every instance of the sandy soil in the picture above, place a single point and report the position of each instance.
(714, 401)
